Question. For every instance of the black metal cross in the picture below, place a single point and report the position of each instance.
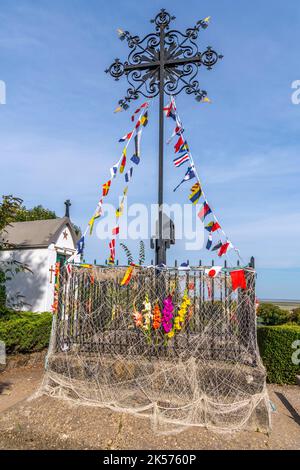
(164, 62)
(68, 205)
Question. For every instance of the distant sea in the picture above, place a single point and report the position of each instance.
(282, 284)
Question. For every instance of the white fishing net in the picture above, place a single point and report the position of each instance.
(173, 345)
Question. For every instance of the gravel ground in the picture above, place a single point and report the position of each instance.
(47, 423)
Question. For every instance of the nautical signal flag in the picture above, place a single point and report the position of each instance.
(238, 279)
(177, 131)
(217, 246)
(144, 119)
(224, 248)
(196, 193)
(138, 110)
(135, 159)
(126, 137)
(213, 271)
(80, 246)
(128, 175)
(205, 210)
(119, 211)
(181, 160)
(205, 22)
(118, 109)
(112, 247)
(179, 144)
(114, 171)
(209, 242)
(212, 226)
(116, 230)
(190, 174)
(184, 147)
(123, 162)
(170, 111)
(105, 188)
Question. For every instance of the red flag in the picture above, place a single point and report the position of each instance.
(216, 226)
(105, 188)
(123, 162)
(238, 279)
(224, 248)
(112, 247)
(116, 231)
(179, 144)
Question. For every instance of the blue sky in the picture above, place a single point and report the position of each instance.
(58, 133)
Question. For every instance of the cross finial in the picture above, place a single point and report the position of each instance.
(68, 205)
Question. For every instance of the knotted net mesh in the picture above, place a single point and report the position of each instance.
(177, 346)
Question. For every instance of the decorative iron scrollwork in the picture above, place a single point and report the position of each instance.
(180, 60)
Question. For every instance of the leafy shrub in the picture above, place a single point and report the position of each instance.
(271, 314)
(25, 332)
(275, 344)
(295, 316)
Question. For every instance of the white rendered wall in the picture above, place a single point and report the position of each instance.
(35, 287)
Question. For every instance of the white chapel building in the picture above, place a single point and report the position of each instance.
(40, 245)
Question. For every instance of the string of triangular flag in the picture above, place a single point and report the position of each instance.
(119, 167)
(183, 156)
(136, 158)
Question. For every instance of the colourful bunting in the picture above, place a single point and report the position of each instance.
(135, 159)
(112, 247)
(119, 211)
(190, 174)
(177, 131)
(126, 137)
(118, 109)
(123, 162)
(128, 175)
(196, 193)
(179, 144)
(116, 230)
(106, 187)
(217, 246)
(224, 248)
(80, 246)
(238, 279)
(184, 147)
(114, 171)
(170, 111)
(212, 226)
(138, 110)
(209, 242)
(181, 160)
(205, 210)
(144, 119)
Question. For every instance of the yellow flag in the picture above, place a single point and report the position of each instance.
(206, 100)
(118, 109)
(207, 19)
(91, 224)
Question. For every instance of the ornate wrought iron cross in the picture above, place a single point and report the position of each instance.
(163, 62)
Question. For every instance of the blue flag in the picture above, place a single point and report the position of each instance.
(80, 246)
(190, 174)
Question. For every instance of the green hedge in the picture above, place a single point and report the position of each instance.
(275, 344)
(25, 332)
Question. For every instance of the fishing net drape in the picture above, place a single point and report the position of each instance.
(173, 345)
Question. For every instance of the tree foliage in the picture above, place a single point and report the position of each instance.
(271, 314)
(36, 213)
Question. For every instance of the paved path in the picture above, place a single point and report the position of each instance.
(46, 423)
